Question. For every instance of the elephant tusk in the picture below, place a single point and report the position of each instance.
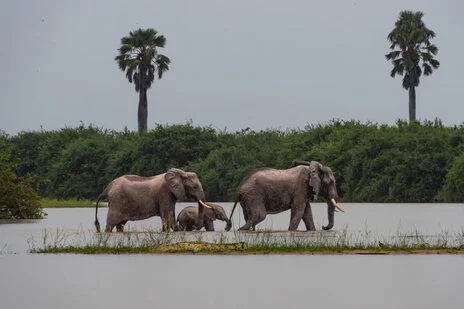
(336, 205)
(203, 203)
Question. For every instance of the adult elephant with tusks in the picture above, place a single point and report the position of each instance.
(271, 191)
(132, 197)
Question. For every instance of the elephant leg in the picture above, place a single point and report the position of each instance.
(164, 223)
(308, 218)
(167, 217)
(209, 225)
(112, 219)
(296, 214)
(247, 227)
(186, 224)
(255, 213)
(172, 223)
(120, 226)
(175, 224)
(246, 216)
(167, 224)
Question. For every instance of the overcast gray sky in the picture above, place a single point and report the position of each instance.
(267, 64)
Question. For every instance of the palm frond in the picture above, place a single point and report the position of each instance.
(150, 76)
(398, 69)
(129, 73)
(125, 49)
(128, 40)
(417, 75)
(426, 57)
(410, 45)
(394, 71)
(159, 41)
(136, 78)
(137, 49)
(434, 63)
(162, 62)
(431, 34)
(393, 55)
(432, 49)
(406, 83)
(427, 69)
(121, 62)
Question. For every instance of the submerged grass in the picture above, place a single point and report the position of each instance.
(260, 242)
(73, 203)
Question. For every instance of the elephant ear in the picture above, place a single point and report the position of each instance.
(326, 175)
(314, 179)
(209, 214)
(174, 182)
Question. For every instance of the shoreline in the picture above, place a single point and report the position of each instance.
(205, 248)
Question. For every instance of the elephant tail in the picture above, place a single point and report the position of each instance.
(97, 224)
(103, 195)
(229, 223)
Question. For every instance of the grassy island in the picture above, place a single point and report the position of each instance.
(233, 243)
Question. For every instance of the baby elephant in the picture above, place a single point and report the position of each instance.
(188, 218)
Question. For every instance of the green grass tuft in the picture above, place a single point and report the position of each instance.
(261, 242)
(54, 203)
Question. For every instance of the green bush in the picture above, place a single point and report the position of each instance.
(17, 198)
(417, 162)
(171, 146)
(453, 190)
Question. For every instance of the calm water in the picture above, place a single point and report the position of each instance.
(273, 281)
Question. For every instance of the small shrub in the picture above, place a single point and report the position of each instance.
(18, 200)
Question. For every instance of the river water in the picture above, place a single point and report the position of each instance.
(30, 280)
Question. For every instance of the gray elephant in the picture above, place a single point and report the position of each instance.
(270, 191)
(188, 218)
(133, 197)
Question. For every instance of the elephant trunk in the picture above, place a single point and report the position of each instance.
(332, 206)
(201, 211)
(330, 215)
(223, 217)
(229, 225)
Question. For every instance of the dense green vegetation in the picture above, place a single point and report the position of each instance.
(18, 199)
(68, 203)
(417, 162)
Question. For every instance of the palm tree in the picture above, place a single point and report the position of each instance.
(412, 53)
(139, 58)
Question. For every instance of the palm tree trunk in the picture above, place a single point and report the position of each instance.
(142, 111)
(412, 104)
(143, 106)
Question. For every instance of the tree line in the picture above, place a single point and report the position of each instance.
(416, 162)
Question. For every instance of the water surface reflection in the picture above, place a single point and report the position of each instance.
(264, 281)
